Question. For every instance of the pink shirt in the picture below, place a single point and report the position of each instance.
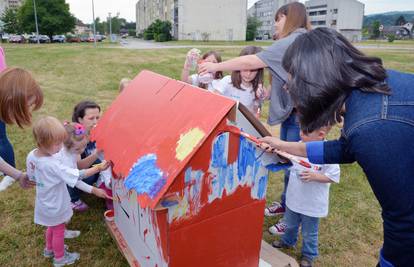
(2, 60)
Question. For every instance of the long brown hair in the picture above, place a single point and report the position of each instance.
(236, 79)
(296, 17)
(19, 95)
(218, 74)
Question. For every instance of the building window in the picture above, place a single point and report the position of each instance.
(335, 11)
(321, 22)
(313, 13)
(315, 7)
(333, 22)
(322, 12)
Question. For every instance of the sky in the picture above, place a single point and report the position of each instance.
(82, 9)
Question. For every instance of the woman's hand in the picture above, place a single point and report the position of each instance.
(100, 193)
(207, 67)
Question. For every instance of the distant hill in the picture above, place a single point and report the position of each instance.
(389, 18)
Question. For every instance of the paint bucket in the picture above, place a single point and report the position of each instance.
(109, 215)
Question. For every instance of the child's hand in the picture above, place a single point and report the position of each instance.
(307, 176)
(270, 143)
(207, 67)
(261, 92)
(24, 181)
(100, 193)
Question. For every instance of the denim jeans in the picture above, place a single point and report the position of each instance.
(289, 131)
(310, 227)
(6, 149)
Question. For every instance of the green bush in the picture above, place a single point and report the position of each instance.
(391, 38)
(160, 31)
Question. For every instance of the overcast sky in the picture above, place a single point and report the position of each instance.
(82, 9)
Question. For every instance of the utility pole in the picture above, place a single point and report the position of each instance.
(94, 27)
(37, 27)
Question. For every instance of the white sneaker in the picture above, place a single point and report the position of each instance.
(278, 229)
(49, 253)
(68, 259)
(6, 182)
(71, 234)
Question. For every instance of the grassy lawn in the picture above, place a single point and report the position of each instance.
(350, 236)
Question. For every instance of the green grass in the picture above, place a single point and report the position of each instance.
(220, 43)
(350, 236)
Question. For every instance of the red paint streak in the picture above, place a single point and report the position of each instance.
(305, 164)
(147, 257)
(145, 233)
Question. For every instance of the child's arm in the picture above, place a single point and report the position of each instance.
(330, 173)
(91, 189)
(94, 169)
(307, 176)
(88, 161)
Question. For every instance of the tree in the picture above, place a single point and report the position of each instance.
(11, 22)
(400, 21)
(53, 17)
(252, 25)
(375, 29)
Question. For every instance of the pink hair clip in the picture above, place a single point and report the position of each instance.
(79, 129)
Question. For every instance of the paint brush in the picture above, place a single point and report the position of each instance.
(301, 162)
(235, 130)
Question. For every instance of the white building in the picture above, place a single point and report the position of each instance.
(4, 4)
(196, 20)
(264, 11)
(345, 16)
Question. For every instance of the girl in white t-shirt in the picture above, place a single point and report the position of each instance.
(52, 205)
(245, 86)
(209, 81)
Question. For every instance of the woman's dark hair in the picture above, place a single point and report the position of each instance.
(236, 79)
(324, 69)
(218, 74)
(81, 107)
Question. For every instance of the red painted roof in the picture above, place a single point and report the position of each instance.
(149, 117)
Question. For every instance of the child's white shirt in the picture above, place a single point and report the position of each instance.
(310, 198)
(52, 205)
(210, 86)
(246, 95)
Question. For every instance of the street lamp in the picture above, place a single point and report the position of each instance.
(37, 27)
(94, 28)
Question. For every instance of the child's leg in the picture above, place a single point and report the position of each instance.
(49, 238)
(310, 227)
(58, 240)
(292, 220)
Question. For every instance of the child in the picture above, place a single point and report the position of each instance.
(209, 82)
(123, 84)
(245, 86)
(86, 113)
(307, 200)
(52, 205)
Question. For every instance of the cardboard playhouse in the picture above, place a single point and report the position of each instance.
(189, 189)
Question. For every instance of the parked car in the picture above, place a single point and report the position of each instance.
(99, 37)
(5, 37)
(17, 39)
(73, 39)
(44, 39)
(58, 38)
(91, 39)
(84, 38)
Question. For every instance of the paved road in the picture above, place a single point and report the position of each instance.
(142, 44)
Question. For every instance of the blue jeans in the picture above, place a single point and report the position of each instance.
(310, 227)
(6, 149)
(75, 193)
(289, 131)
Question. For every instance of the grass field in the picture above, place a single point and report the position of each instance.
(350, 236)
